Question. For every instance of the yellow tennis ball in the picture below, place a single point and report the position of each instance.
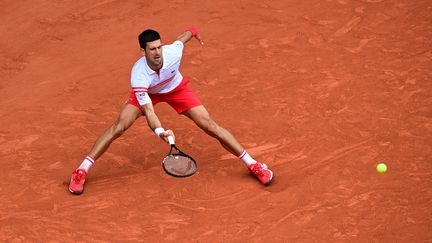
(381, 168)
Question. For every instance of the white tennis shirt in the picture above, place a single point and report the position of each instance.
(144, 80)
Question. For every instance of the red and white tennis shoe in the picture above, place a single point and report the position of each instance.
(260, 171)
(76, 185)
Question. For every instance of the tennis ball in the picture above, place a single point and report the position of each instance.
(381, 168)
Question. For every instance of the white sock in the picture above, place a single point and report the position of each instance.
(247, 159)
(87, 163)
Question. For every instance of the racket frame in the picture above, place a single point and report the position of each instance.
(177, 153)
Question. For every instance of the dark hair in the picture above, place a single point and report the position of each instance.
(148, 36)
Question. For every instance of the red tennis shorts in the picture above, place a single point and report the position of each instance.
(182, 98)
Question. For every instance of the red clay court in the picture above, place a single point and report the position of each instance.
(320, 90)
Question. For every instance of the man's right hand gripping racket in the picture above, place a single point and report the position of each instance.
(177, 163)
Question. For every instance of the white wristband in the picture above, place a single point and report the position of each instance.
(158, 131)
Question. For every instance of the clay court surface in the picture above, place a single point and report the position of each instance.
(319, 90)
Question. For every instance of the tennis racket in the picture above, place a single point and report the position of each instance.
(177, 163)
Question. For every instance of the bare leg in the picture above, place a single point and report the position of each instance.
(127, 117)
(202, 118)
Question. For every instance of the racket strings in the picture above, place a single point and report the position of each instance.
(180, 165)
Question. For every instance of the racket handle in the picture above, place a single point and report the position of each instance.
(171, 140)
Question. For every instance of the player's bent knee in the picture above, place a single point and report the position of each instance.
(212, 128)
(118, 129)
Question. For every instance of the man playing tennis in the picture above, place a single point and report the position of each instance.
(156, 78)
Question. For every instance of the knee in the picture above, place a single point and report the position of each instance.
(211, 128)
(117, 130)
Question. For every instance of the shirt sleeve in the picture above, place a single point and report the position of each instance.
(140, 84)
(176, 47)
(138, 81)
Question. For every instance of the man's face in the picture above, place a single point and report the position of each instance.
(153, 53)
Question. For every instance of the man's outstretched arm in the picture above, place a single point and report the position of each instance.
(154, 123)
(188, 34)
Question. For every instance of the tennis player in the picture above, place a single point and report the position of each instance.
(156, 78)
